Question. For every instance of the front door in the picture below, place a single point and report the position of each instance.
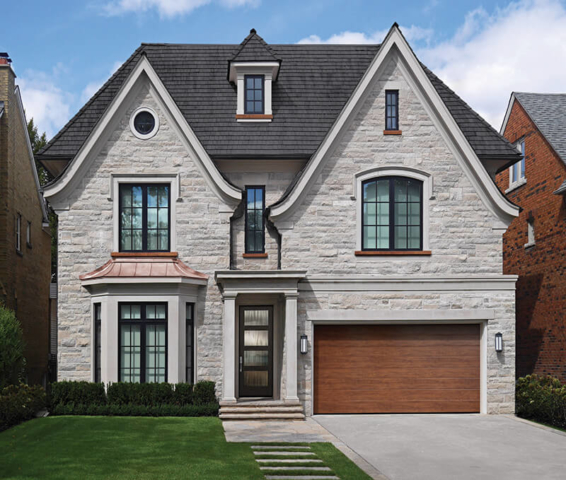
(256, 352)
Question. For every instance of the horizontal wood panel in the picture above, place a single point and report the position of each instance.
(397, 369)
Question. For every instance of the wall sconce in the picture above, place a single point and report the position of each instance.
(499, 342)
(304, 344)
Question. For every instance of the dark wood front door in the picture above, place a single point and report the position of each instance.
(256, 352)
(397, 369)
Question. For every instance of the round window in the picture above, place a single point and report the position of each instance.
(144, 122)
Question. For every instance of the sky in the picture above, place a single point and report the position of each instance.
(64, 50)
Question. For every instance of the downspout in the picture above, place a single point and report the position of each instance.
(272, 229)
(238, 213)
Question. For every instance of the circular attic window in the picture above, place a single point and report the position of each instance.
(144, 123)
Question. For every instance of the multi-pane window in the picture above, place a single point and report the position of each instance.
(253, 94)
(190, 340)
(255, 205)
(144, 218)
(518, 169)
(143, 342)
(392, 110)
(18, 232)
(392, 214)
(97, 348)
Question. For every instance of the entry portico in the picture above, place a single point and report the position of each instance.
(276, 291)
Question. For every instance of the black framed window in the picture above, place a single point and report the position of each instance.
(190, 343)
(145, 217)
(97, 348)
(254, 95)
(392, 110)
(392, 214)
(255, 206)
(143, 342)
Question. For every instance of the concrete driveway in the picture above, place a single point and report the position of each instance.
(410, 447)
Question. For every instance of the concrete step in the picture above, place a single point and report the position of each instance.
(263, 409)
(288, 460)
(261, 416)
(280, 447)
(310, 469)
(301, 477)
(283, 453)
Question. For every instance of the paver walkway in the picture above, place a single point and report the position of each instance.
(291, 462)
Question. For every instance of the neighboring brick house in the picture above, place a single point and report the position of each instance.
(25, 241)
(339, 201)
(534, 246)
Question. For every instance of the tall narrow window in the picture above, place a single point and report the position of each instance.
(97, 349)
(392, 214)
(18, 232)
(255, 206)
(518, 169)
(28, 235)
(530, 232)
(254, 101)
(190, 341)
(144, 218)
(143, 342)
(392, 110)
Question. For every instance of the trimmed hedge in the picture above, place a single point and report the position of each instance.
(542, 399)
(12, 361)
(19, 403)
(143, 399)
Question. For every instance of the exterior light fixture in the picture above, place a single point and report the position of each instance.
(304, 344)
(499, 342)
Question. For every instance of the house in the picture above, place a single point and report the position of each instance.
(313, 227)
(25, 246)
(534, 245)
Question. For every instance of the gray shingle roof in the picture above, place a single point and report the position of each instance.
(254, 49)
(314, 84)
(548, 112)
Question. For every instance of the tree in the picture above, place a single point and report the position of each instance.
(37, 143)
(12, 361)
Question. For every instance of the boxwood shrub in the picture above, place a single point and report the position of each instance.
(141, 399)
(542, 399)
(19, 403)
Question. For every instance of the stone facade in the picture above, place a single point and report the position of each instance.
(541, 288)
(24, 275)
(465, 238)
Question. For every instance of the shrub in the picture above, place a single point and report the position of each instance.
(63, 393)
(183, 394)
(203, 393)
(148, 394)
(209, 410)
(541, 398)
(12, 361)
(19, 403)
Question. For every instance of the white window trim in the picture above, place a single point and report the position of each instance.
(28, 234)
(139, 135)
(397, 171)
(531, 239)
(18, 232)
(172, 179)
(523, 180)
(237, 73)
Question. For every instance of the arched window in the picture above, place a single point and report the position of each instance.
(392, 214)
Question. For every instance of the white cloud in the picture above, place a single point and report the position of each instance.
(521, 47)
(44, 100)
(169, 8)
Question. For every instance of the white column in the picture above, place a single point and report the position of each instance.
(109, 334)
(175, 333)
(291, 342)
(229, 347)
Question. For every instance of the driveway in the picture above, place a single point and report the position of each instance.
(409, 447)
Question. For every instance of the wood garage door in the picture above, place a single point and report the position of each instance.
(397, 369)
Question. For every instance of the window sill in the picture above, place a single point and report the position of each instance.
(144, 254)
(28, 245)
(388, 253)
(392, 132)
(19, 252)
(517, 184)
(529, 245)
(256, 117)
(254, 255)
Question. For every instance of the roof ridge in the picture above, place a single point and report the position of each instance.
(476, 114)
(75, 117)
(253, 35)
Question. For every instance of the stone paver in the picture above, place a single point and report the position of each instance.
(276, 431)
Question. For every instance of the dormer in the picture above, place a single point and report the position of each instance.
(253, 69)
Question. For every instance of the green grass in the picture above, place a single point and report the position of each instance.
(338, 462)
(124, 448)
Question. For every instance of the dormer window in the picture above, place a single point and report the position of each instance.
(254, 96)
(392, 112)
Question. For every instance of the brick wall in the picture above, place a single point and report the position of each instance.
(541, 289)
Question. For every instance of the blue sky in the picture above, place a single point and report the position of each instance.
(62, 51)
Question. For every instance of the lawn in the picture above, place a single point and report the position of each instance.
(137, 448)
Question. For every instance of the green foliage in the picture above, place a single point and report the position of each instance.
(542, 399)
(12, 361)
(19, 403)
(88, 393)
(37, 143)
(133, 399)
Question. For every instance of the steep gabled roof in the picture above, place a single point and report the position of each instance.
(254, 49)
(548, 112)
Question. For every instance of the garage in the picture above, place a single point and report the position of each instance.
(396, 369)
